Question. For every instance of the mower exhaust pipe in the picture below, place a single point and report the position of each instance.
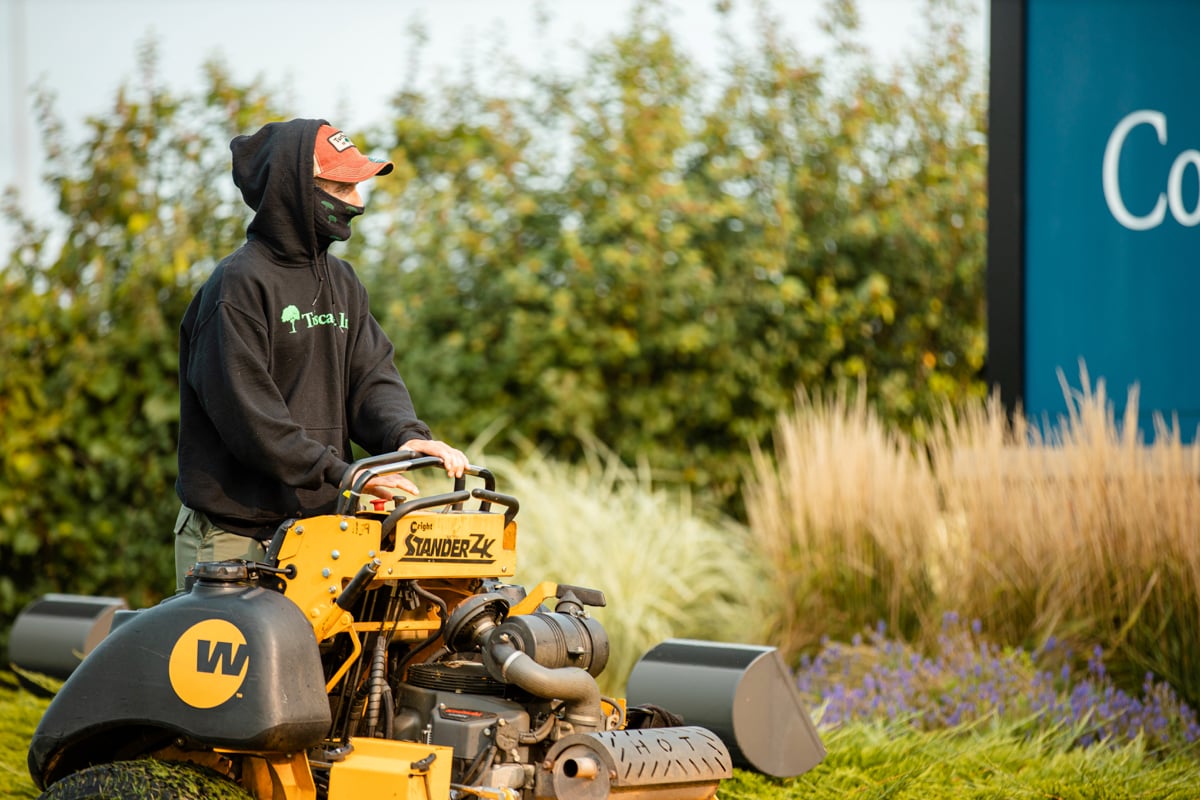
(686, 763)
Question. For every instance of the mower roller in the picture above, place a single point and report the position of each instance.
(383, 651)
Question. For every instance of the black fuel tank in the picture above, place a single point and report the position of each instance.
(228, 664)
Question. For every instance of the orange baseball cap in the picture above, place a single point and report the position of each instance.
(337, 159)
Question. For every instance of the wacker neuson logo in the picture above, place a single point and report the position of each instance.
(291, 315)
(209, 663)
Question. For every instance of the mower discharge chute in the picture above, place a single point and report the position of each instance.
(382, 652)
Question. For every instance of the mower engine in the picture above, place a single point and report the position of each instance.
(518, 703)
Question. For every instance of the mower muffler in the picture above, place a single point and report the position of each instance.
(743, 693)
(685, 763)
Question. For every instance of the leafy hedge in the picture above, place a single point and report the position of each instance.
(643, 253)
(659, 257)
(89, 399)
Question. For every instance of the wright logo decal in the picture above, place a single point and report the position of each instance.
(422, 544)
(209, 663)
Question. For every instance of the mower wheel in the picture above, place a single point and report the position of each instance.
(145, 779)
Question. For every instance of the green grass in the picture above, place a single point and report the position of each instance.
(20, 711)
(865, 760)
(868, 761)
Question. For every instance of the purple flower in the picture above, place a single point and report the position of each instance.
(967, 679)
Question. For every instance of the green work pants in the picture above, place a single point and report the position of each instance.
(198, 539)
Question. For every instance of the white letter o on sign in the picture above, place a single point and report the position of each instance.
(1175, 189)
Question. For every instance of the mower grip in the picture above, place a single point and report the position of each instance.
(363, 470)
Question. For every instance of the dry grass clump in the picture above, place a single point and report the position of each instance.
(1087, 533)
(667, 571)
(1077, 529)
(844, 516)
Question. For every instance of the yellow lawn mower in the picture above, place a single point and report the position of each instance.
(383, 651)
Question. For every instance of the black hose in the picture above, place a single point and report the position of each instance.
(578, 689)
(351, 701)
(543, 730)
(376, 683)
(476, 767)
(389, 713)
(431, 638)
(437, 601)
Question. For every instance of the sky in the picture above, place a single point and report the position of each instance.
(83, 50)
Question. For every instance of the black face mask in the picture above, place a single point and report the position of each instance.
(332, 217)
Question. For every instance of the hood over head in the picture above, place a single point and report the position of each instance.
(274, 170)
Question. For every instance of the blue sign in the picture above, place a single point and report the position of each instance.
(1112, 204)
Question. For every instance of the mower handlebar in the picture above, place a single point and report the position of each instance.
(363, 470)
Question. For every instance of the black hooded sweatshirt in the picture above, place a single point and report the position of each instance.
(281, 363)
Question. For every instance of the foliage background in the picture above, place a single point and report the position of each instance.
(647, 255)
(654, 258)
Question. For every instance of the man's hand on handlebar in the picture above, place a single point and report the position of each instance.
(385, 486)
(455, 460)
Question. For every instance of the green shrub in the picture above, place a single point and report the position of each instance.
(659, 257)
(88, 359)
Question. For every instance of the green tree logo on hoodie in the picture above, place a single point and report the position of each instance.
(291, 314)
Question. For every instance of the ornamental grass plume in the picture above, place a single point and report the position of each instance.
(1078, 531)
(843, 515)
(1075, 529)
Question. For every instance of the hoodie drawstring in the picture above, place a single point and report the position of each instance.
(323, 279)
(320, 278)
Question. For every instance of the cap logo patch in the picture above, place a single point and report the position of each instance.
(340, 141)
